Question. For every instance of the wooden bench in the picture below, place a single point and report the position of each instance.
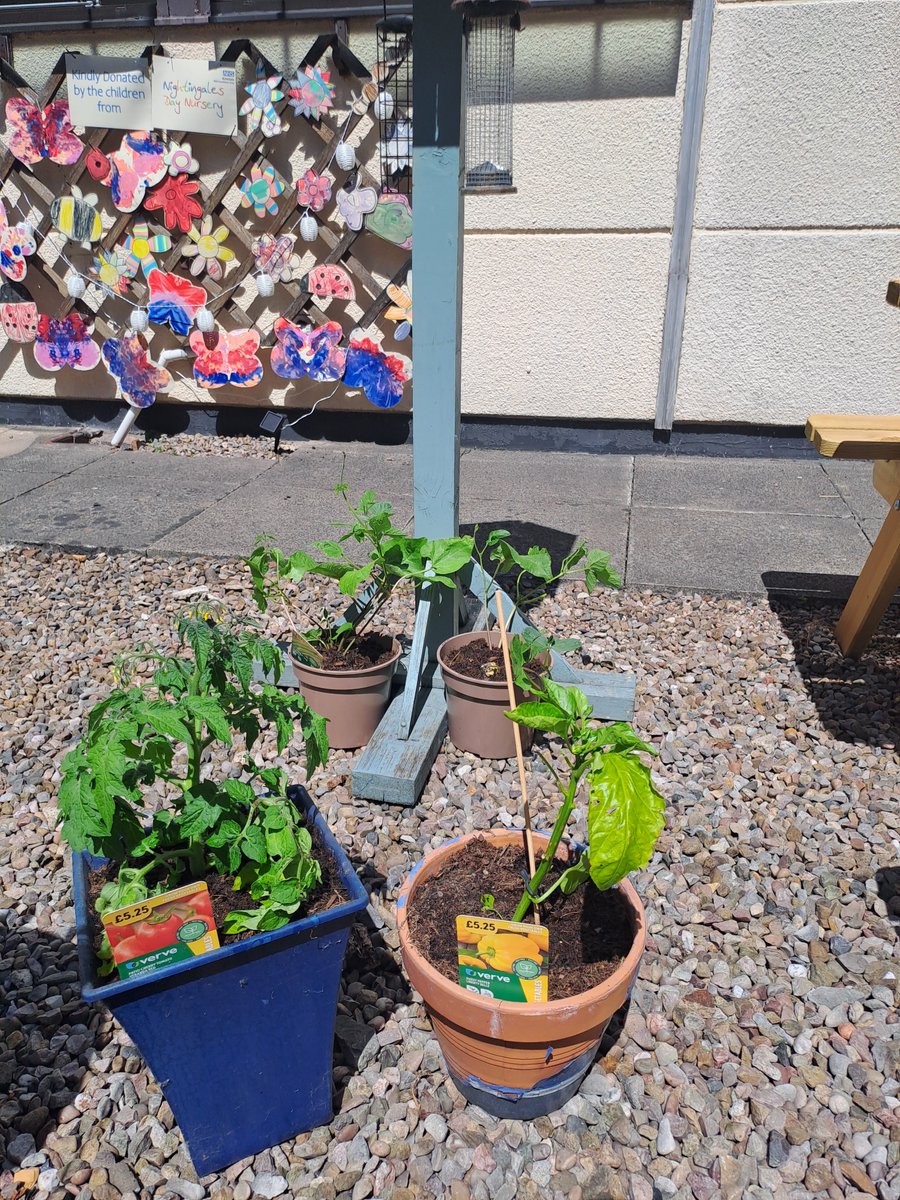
(841, 436)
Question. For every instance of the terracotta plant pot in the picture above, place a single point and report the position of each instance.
(353, 702)
(514, 1060)
(475, 707)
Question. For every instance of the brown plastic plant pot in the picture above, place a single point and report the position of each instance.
(476, 707)
(353, 702)
(515, 1059)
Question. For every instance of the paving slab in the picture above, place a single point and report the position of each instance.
(738, 553)
(854, 481)
(115, 504)
(736, 485)
(553, 477)
(294, 507)
(57, 459)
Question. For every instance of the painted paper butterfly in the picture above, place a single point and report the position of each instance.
(34, 133)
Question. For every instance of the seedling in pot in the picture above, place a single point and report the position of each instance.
(625, 809)
(157, 734)
(389, 556)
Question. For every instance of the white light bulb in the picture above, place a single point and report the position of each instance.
(345, 156)
(265, 285)
(76, 287)
(384, 106)
(309, 228)
(206, 320)
(139, 320)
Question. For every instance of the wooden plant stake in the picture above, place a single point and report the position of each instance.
(517, 734)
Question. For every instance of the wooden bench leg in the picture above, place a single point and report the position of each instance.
(874, 590)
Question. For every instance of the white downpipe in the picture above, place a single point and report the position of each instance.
(134, 412)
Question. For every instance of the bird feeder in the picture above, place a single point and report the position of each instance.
(490, 28)
(392, 105)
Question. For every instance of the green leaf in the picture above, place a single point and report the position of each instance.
(571, 700)
(330, 549)
(164, 718)
(597, 570)
(448, 555)
(619, 736)
(238, 791)
(536, 562)
(625, 817)
(351, 580)
(539, 715)
(197, 816)
(573, 877)
(281, 844)
(211, 713)
(253, 844)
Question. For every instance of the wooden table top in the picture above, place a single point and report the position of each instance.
(841, 435)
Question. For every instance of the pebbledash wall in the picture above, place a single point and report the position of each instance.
(796, 226)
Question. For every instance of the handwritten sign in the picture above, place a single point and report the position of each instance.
(108, 93)
(197, 97)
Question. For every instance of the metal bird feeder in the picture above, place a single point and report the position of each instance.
(490, 28)
(393, 103)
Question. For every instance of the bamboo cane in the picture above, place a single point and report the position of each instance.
(517, 734)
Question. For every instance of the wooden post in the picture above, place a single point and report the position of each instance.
(438, 261)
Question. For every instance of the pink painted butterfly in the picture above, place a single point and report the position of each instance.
(34, 134)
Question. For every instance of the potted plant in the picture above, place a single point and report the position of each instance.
(527, 1059)
(472, 663)
(240, 1037)
(345, 666)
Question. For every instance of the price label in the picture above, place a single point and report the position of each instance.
(506, 960)
(163, 930)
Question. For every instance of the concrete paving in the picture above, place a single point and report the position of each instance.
(727, 526)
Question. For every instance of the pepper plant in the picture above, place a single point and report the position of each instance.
(625, 810)
(389, 556)
(159, 732)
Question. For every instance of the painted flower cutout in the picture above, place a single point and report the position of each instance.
(230, 358)
(401, 310)
(16, 242)
(179, 158)
(311, 93)
(275, 256)
(259, 190)
(139, 379)
(139, 247)
(65, 342)
(263, 95)
(207, 249)
(174, 198)
(313, 190)
(381, 376)
(110, 268)
(308, 353)
(174, 301)
(354, 204)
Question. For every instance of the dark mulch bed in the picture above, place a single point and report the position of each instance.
(590, 931)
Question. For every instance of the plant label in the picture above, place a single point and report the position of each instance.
(507, 960)
(165, 929)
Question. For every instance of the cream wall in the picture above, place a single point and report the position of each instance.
(797, 225)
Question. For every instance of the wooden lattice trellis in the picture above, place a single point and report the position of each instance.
(346, 246)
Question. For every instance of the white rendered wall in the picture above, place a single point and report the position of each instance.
(797, 226)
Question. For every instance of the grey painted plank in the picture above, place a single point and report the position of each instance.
(393, 770)
(696, 74)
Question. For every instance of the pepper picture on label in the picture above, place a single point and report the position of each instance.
(507, 960)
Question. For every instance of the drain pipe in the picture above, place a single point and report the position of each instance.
(134, 412)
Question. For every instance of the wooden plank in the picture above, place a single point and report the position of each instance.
(846, 435)
(438, 161)
(886, 480)
(874, 589)
(392, 769)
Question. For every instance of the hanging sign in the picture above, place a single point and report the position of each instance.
(108, 93)
(197, 97)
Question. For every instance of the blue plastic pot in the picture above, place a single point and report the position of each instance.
(241, 1039)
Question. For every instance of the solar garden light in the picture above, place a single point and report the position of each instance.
(490, 28)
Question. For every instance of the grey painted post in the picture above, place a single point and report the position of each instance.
(438, 260)
(696, 74)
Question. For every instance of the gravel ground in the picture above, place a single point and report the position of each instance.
(199, 445)
(761, 1050)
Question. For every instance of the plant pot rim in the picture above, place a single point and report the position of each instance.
(249, 947)
(452, 992)
(353, 672)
